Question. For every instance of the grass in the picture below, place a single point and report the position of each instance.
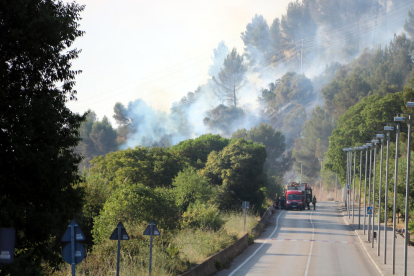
(173, 252)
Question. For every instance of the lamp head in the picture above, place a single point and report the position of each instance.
(380, 136)
(389, 128)
(399, 119)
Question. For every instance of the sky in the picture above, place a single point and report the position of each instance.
(155, 50)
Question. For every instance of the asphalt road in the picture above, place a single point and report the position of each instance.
(308, 243)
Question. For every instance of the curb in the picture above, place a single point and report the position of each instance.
(362, 244)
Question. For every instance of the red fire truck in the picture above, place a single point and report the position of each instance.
(298, 196)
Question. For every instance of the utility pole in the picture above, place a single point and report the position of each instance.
(320, 186)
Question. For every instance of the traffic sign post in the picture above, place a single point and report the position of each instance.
(119, 234)
(245, 206)
(369, 210)
(151, 230)
(69, 253)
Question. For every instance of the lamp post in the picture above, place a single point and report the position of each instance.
(395, 194)
(369, 190)
(375, 141)
(349, 181)
(320, 185)
(301, 163)
(353, 188)
(347, 176)
(388, 129)
(407, 188)
(365, 190)
(336, 187)
(381, 137)
(360, 178)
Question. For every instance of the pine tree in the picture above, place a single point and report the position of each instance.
(231, 78)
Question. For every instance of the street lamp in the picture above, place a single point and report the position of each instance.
(301, 163)
(388, 129)
(381, 137)
(365, 190)
(360, 177)
(347, 177)
(397, 137)
(320, 185)
(349, 181)
(353, 188)
(407, 179)
(375, 141)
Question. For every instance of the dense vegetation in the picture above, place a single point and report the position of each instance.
(38, 167)
(192, 188)
(188, 189)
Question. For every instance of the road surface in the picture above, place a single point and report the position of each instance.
(308, 243)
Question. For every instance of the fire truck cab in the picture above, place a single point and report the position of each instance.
(298, 196)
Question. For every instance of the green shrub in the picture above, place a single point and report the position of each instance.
(133, 204)
(190, 187)
(202, 215)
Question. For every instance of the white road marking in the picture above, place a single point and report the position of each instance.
(254, 253)
(311, 247)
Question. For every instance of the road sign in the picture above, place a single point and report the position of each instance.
(7, 241)
(369, 210)
(119, 234)
(349, 187)
(79, 253)
(79, 236)
(245, 205)
(155, 231)
(151, 231)
(124, 234)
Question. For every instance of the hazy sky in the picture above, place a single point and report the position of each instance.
(155, 50)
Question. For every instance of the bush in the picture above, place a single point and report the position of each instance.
(190, 187)
(202, 215)
(133, 204)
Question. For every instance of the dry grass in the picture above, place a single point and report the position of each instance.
(173, 253)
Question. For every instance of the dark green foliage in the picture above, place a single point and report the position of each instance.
(238, 170)
(256, 40)
(98, 138)
(152, 167)
(222, 117)
(38, 132)
(190, 187)
(276, 38)
(202, 215)
(293, 88)
(359, 124)
(298, 22)
(274, 142)
(385, 71)
(314, 142)
(231, 78)
(120, 115)
(197, 150)
(135, 204)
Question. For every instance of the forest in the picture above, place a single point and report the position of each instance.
(323, 76)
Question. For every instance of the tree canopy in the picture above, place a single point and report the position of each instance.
(359, 124)
(231, 78)
(37, 131)
(238, 170)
